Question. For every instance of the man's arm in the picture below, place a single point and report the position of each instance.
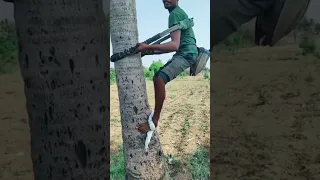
(168, 47)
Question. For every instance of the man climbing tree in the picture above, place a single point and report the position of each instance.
(183, 42)
(275, 19)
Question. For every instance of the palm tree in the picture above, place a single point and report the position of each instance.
(62, 56)
(134, 106)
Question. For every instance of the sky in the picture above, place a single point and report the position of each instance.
(149, 10)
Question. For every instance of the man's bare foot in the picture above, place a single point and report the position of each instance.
(143, 127)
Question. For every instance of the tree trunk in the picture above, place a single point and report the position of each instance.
(134, 106)
(62, 56)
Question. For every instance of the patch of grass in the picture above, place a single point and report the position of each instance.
(206, 75)
(112, 76)
(183, 75)
(239, 39)
(8, 63)
(204, 127)
(199, 164)
(174, 96)
(175, 165)
(115, 121)
(263, 97)
(117, 166)
(308, 45)
(8, 47)
(185, 129)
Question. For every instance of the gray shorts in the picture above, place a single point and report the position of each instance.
(176, 66)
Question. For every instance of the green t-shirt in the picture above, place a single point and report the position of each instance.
(187, 38)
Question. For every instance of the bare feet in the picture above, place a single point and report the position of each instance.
(144, 127)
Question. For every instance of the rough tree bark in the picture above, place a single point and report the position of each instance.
(62, 56)
(134, 106)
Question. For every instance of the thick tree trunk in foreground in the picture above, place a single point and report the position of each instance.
(133, 96)
(62, 55)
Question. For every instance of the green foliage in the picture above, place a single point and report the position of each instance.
(241, 38)
(183, 74)
(308, 45)
(206, 75)
(148, 74)
(8, 47)
(117, 165)
(155, 66)
(112, 76)
(199, 164)
(305, 24)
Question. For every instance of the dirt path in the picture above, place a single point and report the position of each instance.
(266, 115)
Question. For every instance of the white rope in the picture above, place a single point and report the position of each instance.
(149, 133)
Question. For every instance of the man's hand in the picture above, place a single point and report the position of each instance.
(142, 47)
(144, 127)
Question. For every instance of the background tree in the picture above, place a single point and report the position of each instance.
(134, 106)
(62, 56)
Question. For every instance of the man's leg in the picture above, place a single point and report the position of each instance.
(228, 15)
(166, 74)
(160, 95)
(276, 18)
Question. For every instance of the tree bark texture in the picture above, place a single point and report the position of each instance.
(134, 106)
(63, 60)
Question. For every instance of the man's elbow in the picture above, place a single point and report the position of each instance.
(175, 46)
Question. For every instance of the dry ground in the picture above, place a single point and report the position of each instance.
(266, 105)
(185, 120)
(266, 114)
(15, 160)
(183, 127)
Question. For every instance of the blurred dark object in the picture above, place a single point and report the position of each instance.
(10, 1)
(277, 22)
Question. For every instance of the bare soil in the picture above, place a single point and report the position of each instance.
(183, 127)
(266, 114)
(184, 124)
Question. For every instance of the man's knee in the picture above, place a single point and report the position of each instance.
(161, 76)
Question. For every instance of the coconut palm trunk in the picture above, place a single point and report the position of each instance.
(134, 106)
(63, 61)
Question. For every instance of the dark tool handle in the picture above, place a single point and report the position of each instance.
(130, 51)
(121, 55)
